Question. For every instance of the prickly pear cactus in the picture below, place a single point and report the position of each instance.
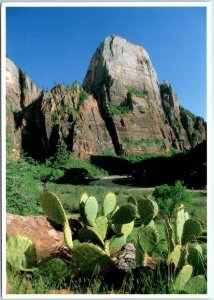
(82, 202)
(142, 258)
(169, 235)
(195, 258)
(174, 256)
(147, 209)
(55, 268)
(140, 255)
(109, 203)
(148, 238)
(132, 200)
(52, 207)
(91, 236)
(83, 198)
(183, 277)
(90, 211)
(117, 242)
(196, 285)
(68, 235)
(126, 229)
(192, 229)
(91, 259)
(101, 226)
(125, 214)
(21, 253)
(179, 223)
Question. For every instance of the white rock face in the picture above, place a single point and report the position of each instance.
(12, 85)
(21, 90)
(128, 63)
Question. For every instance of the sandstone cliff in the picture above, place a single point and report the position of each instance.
(64, 114)
(121, 107)
(143, 115)
(21, 91)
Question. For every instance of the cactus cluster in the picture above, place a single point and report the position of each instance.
(147, 236)
(119, 220)
(101, 236)
(92, 254)
(187, 258)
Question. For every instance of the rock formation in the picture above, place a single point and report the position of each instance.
(121, 75)
(45, 237)
(120, 107)
(21, 91)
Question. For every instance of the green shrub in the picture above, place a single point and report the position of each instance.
(141, 94)
(119, 110)
(169, 197)
(82, 97)
(22, 187)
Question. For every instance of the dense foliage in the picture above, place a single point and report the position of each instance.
(169, 197)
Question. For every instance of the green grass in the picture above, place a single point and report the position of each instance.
(142, 281)
(70, 194)
(131, 143)
(141, 94)
(119, 110)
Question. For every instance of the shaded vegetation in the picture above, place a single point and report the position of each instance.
(189, 168)
(122, 109)
(141, 94)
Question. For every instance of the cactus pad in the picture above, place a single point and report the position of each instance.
(55, 268)
(132, 200)
(148, 238)
(89, 235)
(196, 285)
(91, 259)
(109, 203)
(140, 255)
(83, 198)
(68, 235)
(52, 207)
(169, 235)
(82, 202)
(179, 223)
(126, 229)
(125, 214)
(174, 256)
(183, 277)
(117, 242)
(195, 259)
(101, 226)
(21, 253)
(90, 211)
(192, 229)
(147, 209)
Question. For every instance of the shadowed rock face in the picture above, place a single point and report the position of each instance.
(21, 91)
(60, 115)
(124, 110)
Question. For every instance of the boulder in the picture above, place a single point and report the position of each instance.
(37, 228)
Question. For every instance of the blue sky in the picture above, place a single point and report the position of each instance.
(56, 44)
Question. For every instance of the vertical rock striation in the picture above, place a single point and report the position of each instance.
(21, 91)
(140, 115)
